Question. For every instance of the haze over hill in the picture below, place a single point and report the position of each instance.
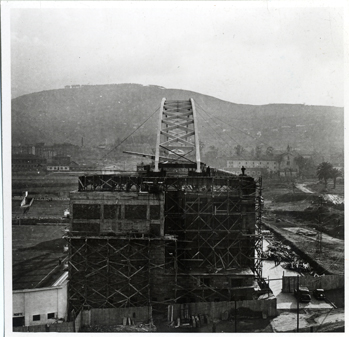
(109, 113)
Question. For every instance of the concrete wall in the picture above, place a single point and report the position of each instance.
(114, 316)
(219, 310)
(59, 327)
(124, 220)
(326, 282)
(41, 301)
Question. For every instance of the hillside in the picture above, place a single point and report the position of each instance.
(109, 113)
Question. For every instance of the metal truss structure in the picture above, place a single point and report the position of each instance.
(177, 135)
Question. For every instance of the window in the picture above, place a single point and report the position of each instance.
(154, 212)
(135, 211)
(111, 211)
(86, 211)
(288, 163)
(51, 315)
(236, 282)
(204, 281)
(36, 317)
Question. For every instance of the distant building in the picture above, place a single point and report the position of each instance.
(60, 163)
(254, 167)
(283, 163)
(287, 163)
(47, 151)
(27, 162)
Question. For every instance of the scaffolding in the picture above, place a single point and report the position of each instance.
(114, 272)
(212, 237)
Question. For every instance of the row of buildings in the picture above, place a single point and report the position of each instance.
(46, 151)
(33, 163)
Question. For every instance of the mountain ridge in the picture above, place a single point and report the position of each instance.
(108, 113)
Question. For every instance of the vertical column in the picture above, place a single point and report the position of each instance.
(157, 149)
(196, 137)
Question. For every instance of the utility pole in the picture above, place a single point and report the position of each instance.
(235, 318)
(297, 303)
(319, 234)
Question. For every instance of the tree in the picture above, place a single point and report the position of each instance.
(239, 150)
(258, 151)
(324, 171)
(335, 174)
(270, 151)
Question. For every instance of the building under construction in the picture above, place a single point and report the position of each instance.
(175, 232)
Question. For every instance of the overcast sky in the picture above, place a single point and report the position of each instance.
(257, 54)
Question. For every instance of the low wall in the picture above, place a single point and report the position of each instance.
(58, 327)
(326, 282)
(221, 310)
(77, 322)
(115, 316)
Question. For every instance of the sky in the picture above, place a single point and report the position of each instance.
(247, 52)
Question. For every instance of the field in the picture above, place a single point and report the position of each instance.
(36, 253)
(37, 244)
(313, 225)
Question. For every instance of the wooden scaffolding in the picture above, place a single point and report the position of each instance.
(211, 231)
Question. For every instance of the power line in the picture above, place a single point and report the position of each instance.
(115, 147)
(218, 134)
(232, 126)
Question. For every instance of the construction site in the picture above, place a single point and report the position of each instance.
(175, 246)
(174, 233)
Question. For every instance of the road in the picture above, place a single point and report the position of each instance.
(285, 301)
(303, 188)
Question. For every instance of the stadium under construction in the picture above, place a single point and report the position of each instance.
(174, 232)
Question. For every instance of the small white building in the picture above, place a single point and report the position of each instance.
(57, 168)
(41, 306)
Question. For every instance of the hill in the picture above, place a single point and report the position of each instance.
(108, 113)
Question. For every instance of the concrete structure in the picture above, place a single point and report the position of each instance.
(40, 306)
(151, 241)
(178, 233)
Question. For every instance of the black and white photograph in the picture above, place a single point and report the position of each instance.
(173, 166)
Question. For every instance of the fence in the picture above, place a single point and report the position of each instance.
(222, 310)
(57, 327)
(326, 282)
(115, 316)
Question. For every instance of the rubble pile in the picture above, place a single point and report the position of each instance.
(284, 255)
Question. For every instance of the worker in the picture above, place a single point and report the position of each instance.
(243, 169)
(208, 171)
